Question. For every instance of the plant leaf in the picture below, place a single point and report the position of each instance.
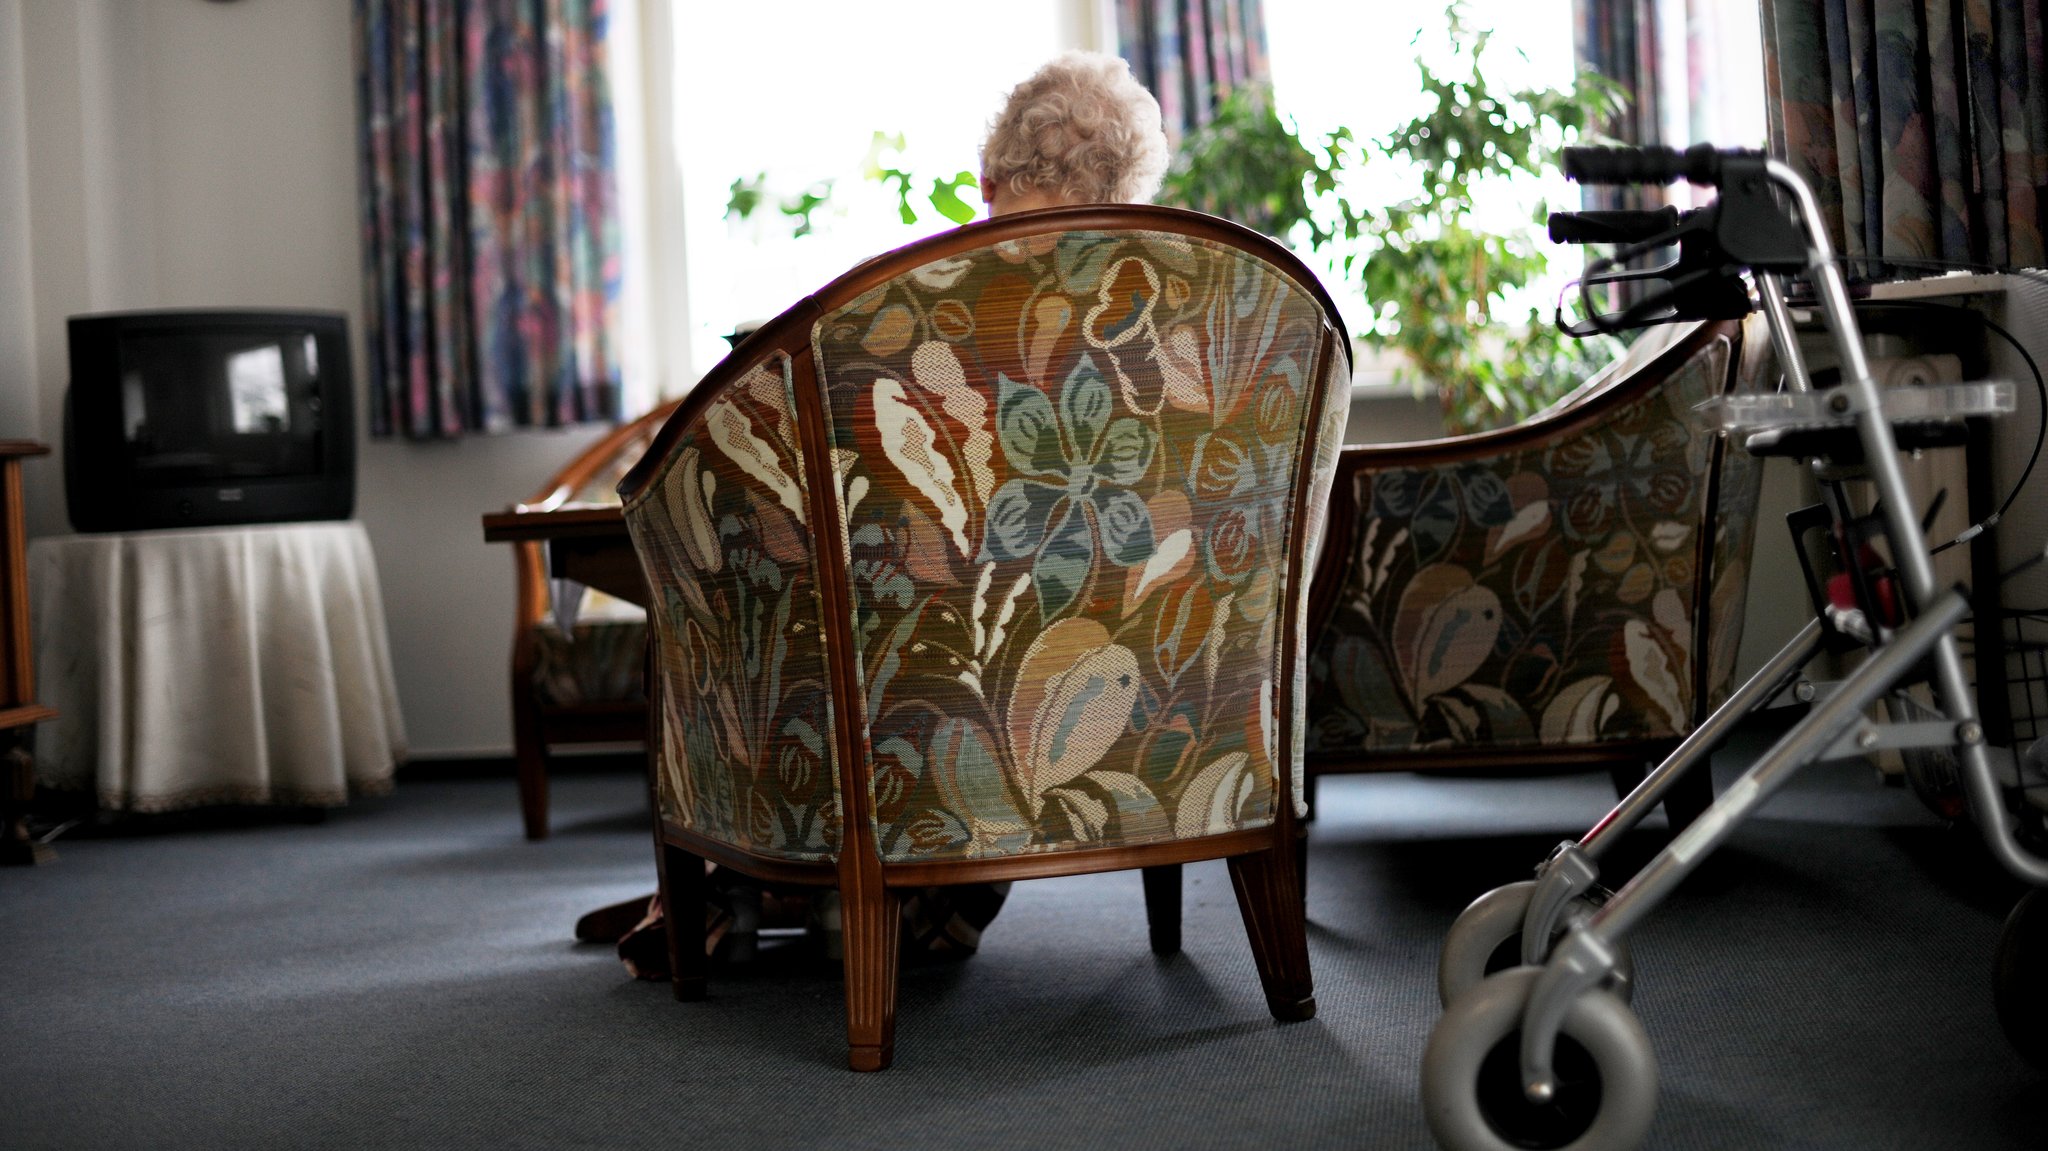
(946, 199)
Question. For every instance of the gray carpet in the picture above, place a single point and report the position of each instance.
(403, 976)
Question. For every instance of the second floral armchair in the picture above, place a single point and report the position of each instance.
(1568, 591)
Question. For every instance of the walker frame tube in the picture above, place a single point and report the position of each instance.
(1587, 955)
(1573, 868)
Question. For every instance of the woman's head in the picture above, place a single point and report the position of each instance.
(1081, 130)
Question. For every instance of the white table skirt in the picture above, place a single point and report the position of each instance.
(229, 665)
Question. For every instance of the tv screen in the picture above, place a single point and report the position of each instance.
(205, 418)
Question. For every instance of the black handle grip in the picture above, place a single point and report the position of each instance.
(1655, 164)
(1617, 227)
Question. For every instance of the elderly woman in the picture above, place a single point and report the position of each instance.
(1081, 130)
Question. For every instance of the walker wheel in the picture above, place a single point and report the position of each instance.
(1487, 938)
(2019, 978)
(1471, 1074)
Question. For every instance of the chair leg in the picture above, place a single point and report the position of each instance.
(1301, 864)
(1690, 796)
(530, 754)
(1162, 907)
(872, 923)
(683, 891)
(1308, 798)
(1625, 777)
(1268, 893)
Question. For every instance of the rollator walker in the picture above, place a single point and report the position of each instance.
(1537, 1046)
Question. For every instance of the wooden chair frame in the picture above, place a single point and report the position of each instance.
(537, 724)
(1262, 861)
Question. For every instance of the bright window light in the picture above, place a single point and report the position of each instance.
(750, 98)
(798, 97)
(256, 391)
(1353, 65)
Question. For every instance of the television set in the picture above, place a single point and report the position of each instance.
(208, 418)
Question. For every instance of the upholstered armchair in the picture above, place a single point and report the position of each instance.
(582, 683)
(1567, 591)
(987, 562)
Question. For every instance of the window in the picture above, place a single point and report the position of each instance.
(797, 96)
(727, 92)
(1353, 65)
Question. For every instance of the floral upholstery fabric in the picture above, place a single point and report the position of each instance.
(597, 661)
(724, 539)
(1546, 596)
(1065, 469)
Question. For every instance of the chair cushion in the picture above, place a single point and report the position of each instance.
(598, 661)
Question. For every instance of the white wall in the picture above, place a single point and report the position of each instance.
(183, 154)
(20, 414)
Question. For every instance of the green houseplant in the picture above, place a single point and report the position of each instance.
(1436, 283)
(746, 195)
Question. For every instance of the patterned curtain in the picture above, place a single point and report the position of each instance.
(491, 253)
(1617, 39)
(1190, 53)
(1922, 125)
(1690, 70)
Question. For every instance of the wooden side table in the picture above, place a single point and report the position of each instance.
(591, 546)
(238, 664)
(19, 710)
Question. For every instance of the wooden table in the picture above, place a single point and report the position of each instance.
(587, 544)
(591, 546)
(19, 710)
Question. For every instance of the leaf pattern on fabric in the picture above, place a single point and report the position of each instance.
(1121, 433)
(734, 435)
(690, 489)
(745, 756)
(1579, 712)
(1102, 805)
(1169, 560)
(1547, 596)
(1474, 713)
(1650, 667)
(911, 445)
(936, 368)
(1212, 799)
(1444, 629)
(1074, 698)
(1530, 521)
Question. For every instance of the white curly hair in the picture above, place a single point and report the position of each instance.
(1081, 130)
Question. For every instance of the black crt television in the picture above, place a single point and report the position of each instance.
(203, 418)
